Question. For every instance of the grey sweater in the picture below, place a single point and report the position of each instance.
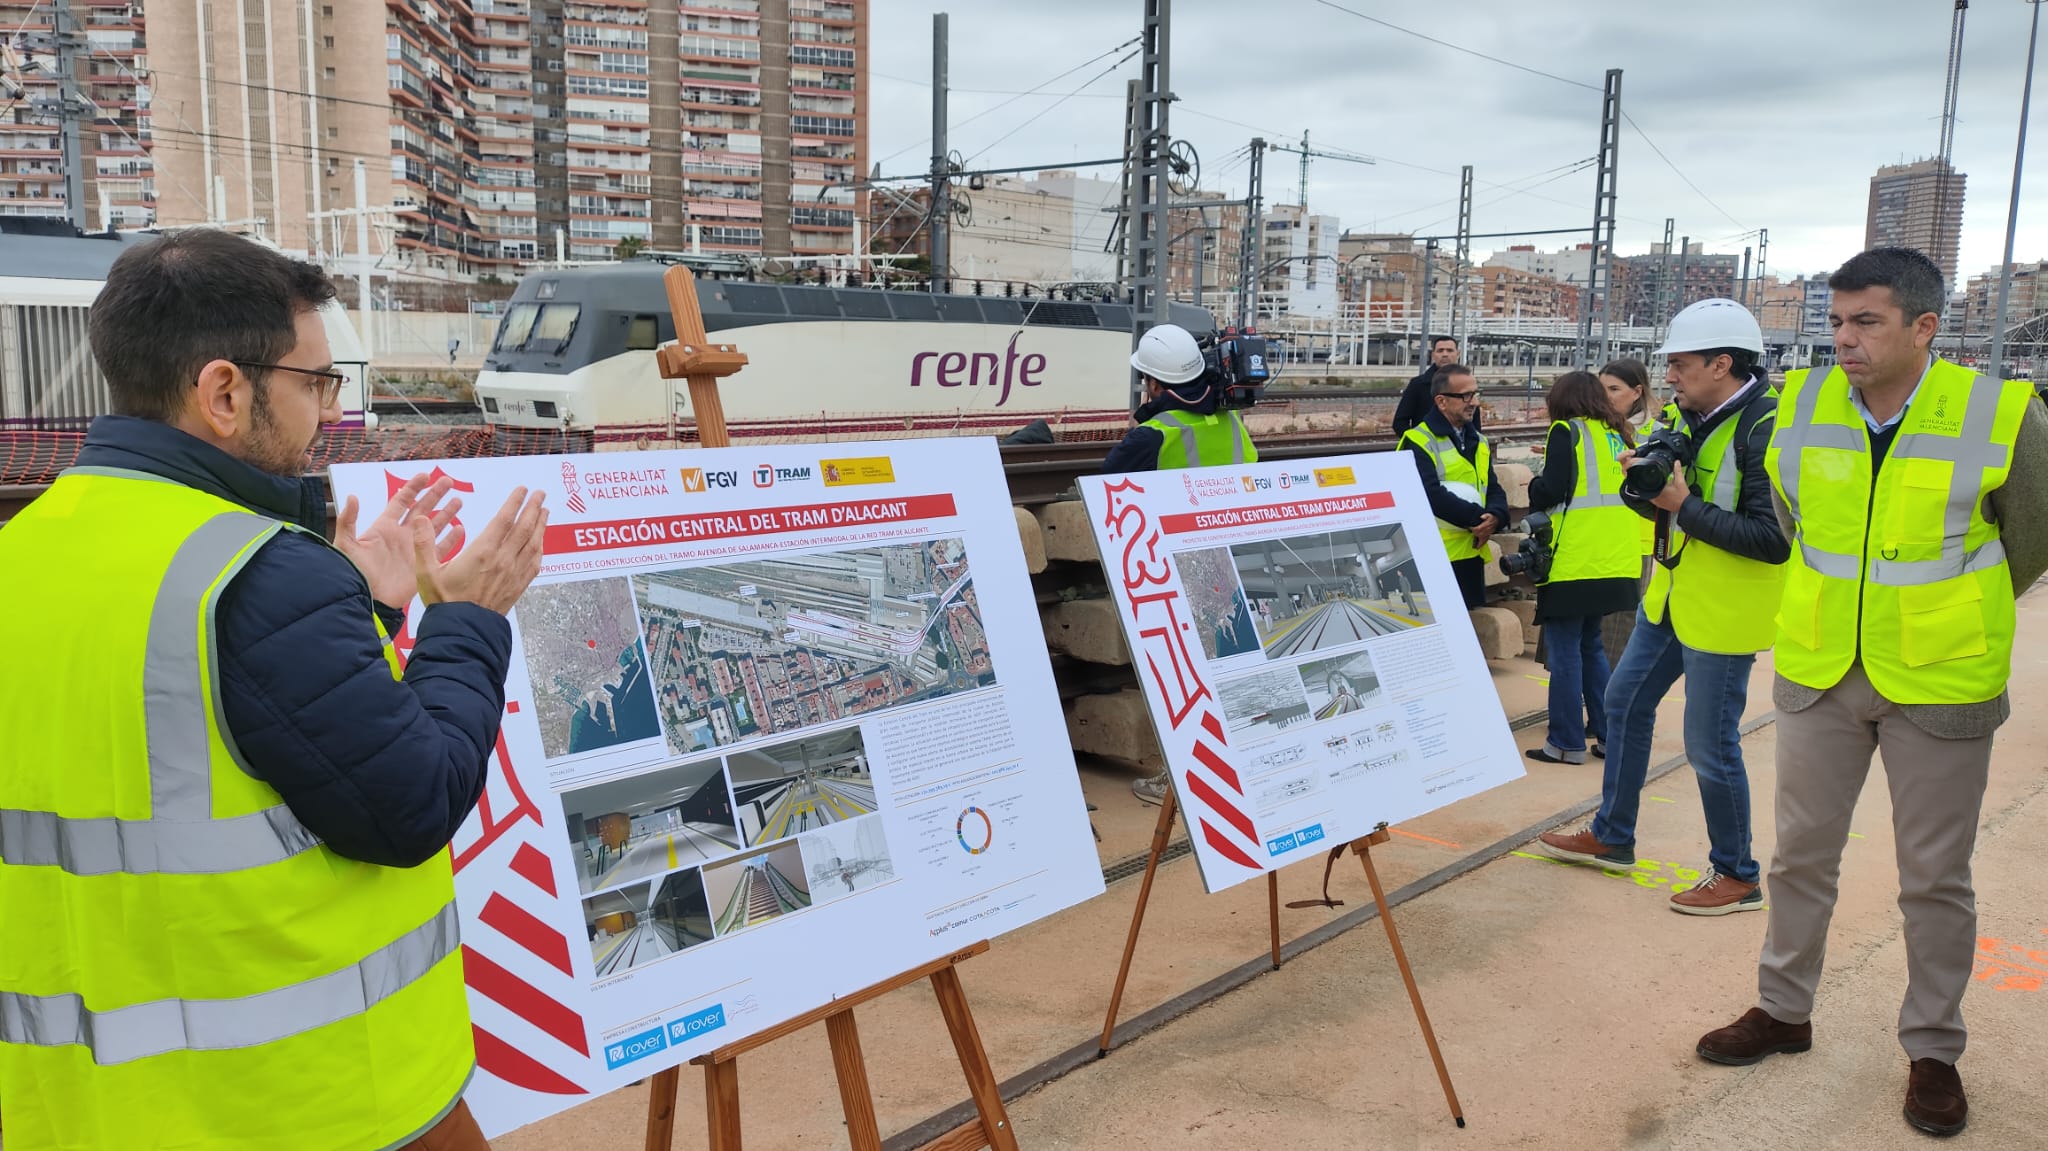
(2021, 510)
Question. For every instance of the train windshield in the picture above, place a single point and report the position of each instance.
(544, 325)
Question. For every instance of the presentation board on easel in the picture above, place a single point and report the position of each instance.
(780, 725)
(1304, 650)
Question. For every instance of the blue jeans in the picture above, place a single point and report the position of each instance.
(1716, 690)
(1578, 682)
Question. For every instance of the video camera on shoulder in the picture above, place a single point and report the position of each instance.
(1655, 457)
(1237, 368)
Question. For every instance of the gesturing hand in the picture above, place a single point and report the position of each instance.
(1672, 498)
(384, 551)
(495, 568)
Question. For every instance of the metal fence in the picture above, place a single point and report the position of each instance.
(47, 373)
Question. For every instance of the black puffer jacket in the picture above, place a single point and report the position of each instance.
(1751, 530)
(383, 771)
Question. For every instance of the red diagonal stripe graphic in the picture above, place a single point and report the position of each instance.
(1225, 848)
(523, 999)
(1223, 770)
(1221, 806)
(532, 863)
(517, 924)
(517, 1067)
(1214, 727)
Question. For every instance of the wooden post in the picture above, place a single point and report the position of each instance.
(1160, 833)
(856, 1099)
(695, 358)
(1364, 849)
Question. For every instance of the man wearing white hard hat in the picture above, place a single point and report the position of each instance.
(1707, 611)
(1181, 423)
(1915, 490)
(1455, 462)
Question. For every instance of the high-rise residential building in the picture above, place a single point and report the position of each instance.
(505, 131)
(1651, 289)
(1917, 205)
(1298, 262)
(2027, 298)
(1512, 294)
(120, 188)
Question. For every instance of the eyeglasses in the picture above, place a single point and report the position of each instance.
(1471, 395)
(329, 384)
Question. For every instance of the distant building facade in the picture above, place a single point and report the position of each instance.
(1917, 205)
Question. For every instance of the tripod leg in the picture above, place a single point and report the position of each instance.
(1436, 1055)
(1160, 834)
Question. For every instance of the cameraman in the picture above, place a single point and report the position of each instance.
(1708, 610)
(1180, 424)
(1595, 558)
(1449, 450)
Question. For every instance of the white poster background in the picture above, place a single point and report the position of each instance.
(1304, 650)
(896, 786)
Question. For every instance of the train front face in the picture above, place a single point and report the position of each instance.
(576, 349)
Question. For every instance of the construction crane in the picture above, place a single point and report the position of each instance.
(1945, 176)
(1305, 152)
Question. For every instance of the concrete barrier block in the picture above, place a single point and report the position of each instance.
(1068, 535)
(1033, 538)
(1514, 480)
(1494, 576)
(1500, 633)
(1522, 609)
(1086, 629)
(1116, 726)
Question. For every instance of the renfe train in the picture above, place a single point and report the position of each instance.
(576, 352)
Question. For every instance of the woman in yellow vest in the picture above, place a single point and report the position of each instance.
(1595, 559)
(1628, 389)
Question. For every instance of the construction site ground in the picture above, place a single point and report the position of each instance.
(1567, 1000)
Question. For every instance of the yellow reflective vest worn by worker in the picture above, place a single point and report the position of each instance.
(1193, 441)
(1713, 597)
(1901, 572)
(206, 973)
(1453, 468)
(1595, 535)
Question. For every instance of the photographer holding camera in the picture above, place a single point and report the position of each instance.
(1585, 555)
(1185, 421)
(1456, 465)
(1706, 614)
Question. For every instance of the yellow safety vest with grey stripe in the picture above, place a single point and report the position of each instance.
(1194, 441)
(1595, 535)
(1713, 597)
(1903, 573)
(182, 963)
(1453, 468)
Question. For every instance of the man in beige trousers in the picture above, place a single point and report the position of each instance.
(1913, 491)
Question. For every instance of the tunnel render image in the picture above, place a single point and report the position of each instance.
(1331, 589)
(649, 824)
(634, 926)
(790, 788)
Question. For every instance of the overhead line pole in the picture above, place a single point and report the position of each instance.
(1600, 260)
(1248, 238)
(940, 201)
(1150, 233)
(1464, 248)
(2012, 214)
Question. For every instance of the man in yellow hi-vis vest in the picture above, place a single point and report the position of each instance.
(227, 911)
(1915, 492)
(1700, 616)
(1182, 423)
(1455, 461)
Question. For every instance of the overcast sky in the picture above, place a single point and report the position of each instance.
(1778, 111)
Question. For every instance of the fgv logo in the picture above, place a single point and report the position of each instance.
(700, 479)
(572, 486)
(635, 1047)
(982, 369)
(691, 1026)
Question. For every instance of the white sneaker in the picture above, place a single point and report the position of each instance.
(1151, 789)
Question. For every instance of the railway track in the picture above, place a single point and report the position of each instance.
(1042, 473)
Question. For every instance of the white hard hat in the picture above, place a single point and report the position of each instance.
(1711, 324)
(1168, 353)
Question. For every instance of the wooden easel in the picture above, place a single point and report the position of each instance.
(693, 357)
(1360, 847)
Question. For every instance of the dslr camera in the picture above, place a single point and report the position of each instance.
(1655, 457)
(1533, 557)
(1237, 369)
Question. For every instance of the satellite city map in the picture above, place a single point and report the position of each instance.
(589, 674)
(766, 646)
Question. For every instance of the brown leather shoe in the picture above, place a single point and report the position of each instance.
(1756, 1035)
(1934, 1098)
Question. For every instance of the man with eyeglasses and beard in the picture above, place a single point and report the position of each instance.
(224, 807)
(1456, 465)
